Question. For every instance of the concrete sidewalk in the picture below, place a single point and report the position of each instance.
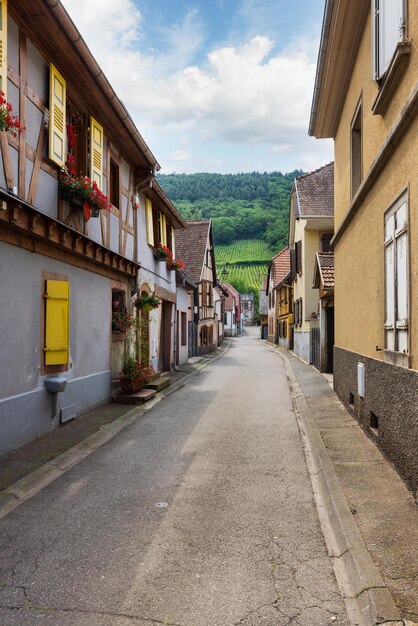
(27, 470)
(368, 516)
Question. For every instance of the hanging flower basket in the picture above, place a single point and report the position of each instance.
(175, 264)
(162, 253)
(147, 302)
(8, 120)
(83, 194)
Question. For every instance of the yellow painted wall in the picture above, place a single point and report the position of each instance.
(359, 254)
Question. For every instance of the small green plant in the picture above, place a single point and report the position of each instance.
(147, 301)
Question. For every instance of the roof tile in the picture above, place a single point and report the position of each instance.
(315, 192)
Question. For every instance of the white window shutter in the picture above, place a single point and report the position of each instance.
(390, 283)
(401, 235)
(390, 18)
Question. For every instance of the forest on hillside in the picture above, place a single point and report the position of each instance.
(242, 206)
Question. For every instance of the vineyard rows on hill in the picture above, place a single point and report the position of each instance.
(243, 264)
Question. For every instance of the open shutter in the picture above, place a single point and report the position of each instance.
(163, 229)
(390, 283)
(57, 119)
(96, 152)
(173, 247)
(3, 46)
(401, 235)
(388, 31)
(57, 296)
(149, 220)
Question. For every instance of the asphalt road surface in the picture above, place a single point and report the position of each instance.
(199, 514)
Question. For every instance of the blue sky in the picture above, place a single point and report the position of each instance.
(215, 85)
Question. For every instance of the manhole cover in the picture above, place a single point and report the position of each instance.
(162, 505)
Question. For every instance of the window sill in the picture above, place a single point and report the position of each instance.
(400, 359)
(392, 77)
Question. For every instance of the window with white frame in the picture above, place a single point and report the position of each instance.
(389, 26)
(396, 276)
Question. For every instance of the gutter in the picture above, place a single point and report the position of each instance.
(329, 5)
(70, 30)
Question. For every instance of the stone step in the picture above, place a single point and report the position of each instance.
(159, 383)
(136, 398)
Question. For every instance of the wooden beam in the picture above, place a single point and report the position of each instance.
(7, 163)
(37, 165)
(22, 114)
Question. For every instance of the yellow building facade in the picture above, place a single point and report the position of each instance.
(370, 111)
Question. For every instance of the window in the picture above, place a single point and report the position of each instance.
(298, 312)
(326, 242)
(389, 26)
(183, 329)
(356, 150)
(114, 188)
(298, 257)
(396, 277)
(57, 328)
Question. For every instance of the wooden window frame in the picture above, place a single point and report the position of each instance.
(183, 322)
(356, 148)
(114, 187)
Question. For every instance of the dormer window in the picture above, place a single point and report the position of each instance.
(389, 26)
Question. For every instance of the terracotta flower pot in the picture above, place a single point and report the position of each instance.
(128, 386)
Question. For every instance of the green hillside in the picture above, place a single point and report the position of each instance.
(242, 206)
(249, 212)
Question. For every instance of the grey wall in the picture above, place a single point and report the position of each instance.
(391, 394)
(25, 406)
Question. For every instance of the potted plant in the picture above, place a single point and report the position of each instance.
(134, 375)
(148, 302)
(162, 253)
(175, 264)
(8, 120)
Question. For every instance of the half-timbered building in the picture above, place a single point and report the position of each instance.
(70, 262)
(194, 246)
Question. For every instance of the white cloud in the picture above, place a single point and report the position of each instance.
(180, 155)
(245, 94)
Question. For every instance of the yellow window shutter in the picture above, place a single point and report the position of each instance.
(163, 229)
(148, 217)
(96, 152)
(57, 121)
(57, 296)
(3, 46)
(173, 249)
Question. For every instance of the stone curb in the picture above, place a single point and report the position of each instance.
(367, 599)
(34, 482)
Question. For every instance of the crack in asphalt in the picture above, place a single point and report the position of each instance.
(30, 606)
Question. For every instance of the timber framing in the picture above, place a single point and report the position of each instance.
(24, 226)
(67, 50)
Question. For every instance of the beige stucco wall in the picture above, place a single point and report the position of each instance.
(311, 243)
(359, 254)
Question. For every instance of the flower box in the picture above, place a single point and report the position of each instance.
(128, 386)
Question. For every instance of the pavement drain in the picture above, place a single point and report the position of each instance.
(162, 505)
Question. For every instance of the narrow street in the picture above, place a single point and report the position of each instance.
(199, 514)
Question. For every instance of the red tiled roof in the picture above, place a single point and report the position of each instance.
(280, 265)
(229, 300)
(315, 192)
(190, 247)
(324, 270)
